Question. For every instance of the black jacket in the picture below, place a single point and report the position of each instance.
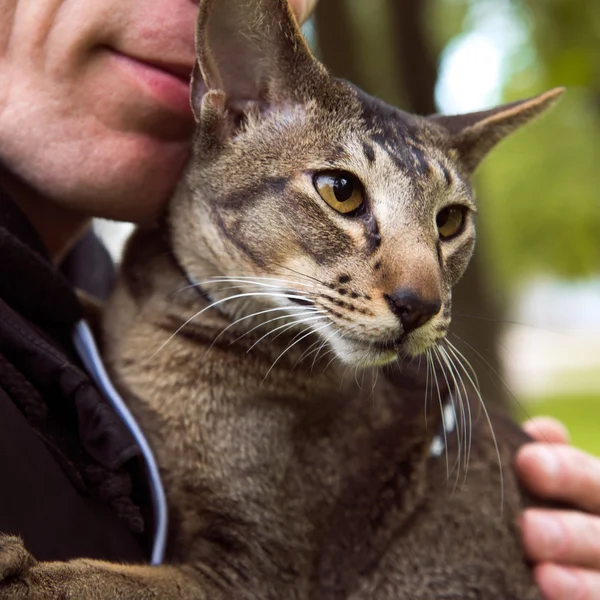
(72, 480)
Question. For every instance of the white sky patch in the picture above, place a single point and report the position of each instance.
(476, 64)
(469, 75)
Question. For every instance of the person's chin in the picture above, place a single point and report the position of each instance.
(140, 183)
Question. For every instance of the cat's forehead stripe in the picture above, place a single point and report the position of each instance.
(240, 199)
(420, 162)
(446, 173)
(369, 152)
(402, 137)
(406, 152)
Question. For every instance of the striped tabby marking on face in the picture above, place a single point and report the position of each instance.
(271, 123)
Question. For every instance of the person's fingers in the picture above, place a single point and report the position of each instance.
(303, 8)
(567, 583)
(547, 429)
(561, 473)
(564, 537)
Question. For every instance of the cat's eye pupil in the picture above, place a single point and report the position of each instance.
(442, 217)
(343, 187)
(450, 221)
(341, 190)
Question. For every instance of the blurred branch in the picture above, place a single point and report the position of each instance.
(336, 40)
(418, 68)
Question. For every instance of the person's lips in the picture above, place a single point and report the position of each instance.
(180, 70)
(167, 81)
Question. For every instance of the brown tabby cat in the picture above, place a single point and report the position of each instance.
(317, 230)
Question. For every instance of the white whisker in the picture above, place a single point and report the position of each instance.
(459, 432)
(302, 313)
(428, 367)
(466, 360)
(375, 377)
(252, 280)
(255, 314)
(307, 353)
(290, 346)
(217, 302)
(489, 421)
(283, 327)
(466, 412)
(435, 379)
(446, 426)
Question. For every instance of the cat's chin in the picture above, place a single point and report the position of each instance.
(362, 353)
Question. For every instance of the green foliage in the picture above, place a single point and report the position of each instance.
(540, 195)
(540, 192)
(578, 413)
(444, 19)
(566, 35)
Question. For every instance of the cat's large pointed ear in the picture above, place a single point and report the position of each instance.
(473, 135)
(252, 51)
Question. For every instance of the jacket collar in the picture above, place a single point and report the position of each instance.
(29, 282)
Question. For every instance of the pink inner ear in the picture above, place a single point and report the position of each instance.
(240, 45)
(198, 89)
(253, 51)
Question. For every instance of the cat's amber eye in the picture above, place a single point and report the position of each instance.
(451, 221)
(341, 190)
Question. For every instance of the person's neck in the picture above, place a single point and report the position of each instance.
(58, 226)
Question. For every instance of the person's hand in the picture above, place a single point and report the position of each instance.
(564, 544)
(303, 8)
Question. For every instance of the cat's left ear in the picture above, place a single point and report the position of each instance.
(473, 135)
(252, 53)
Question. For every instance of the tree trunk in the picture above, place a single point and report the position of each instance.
(336, 40)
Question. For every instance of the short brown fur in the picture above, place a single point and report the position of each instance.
(285, 478)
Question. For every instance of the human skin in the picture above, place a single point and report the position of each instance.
(564, 544)
(87, 130)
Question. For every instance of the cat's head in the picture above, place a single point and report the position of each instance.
(320, 201)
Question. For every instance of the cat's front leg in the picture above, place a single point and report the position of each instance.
(22, 577)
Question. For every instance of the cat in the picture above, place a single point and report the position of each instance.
(310, 249)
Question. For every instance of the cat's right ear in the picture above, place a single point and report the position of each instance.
(473, 135)
(252, 54)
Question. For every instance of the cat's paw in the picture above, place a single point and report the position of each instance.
(15, 560)
(16, 564)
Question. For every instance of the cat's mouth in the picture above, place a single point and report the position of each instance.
(371, 353)
(388, 346)
(367, 353)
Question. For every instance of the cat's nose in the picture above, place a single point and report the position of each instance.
(412, 309)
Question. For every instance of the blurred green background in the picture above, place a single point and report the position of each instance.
(528, 309)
